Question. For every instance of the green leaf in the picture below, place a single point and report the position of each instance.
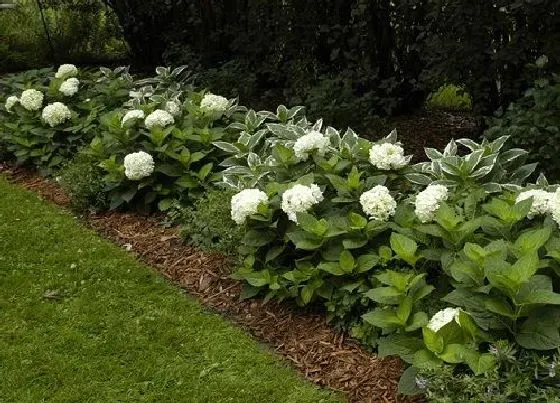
(524, 268)
(384, 295)
(399, 344)
(446, 217)
(499, 306)
(366, 262)
(395, 279)
(419, 319)
(257, 238)
(425, 359)
(165, 204)
(433, 341)
(407, 383)
(304, 240)
(404, 310)
(332, 268)
(346, 261)
(532, 241)
(404, 247)
(480, 363)
(205, 170)
(382, 318)
(354, 242)
(539, 332)
(453, 353)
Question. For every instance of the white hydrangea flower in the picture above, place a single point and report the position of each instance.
(69, 87)
(387, 156)
(245, 203)
(32, 100)
(313, 140)
(56, 113)
(138, 165)
(378, 203)
(541, 201)
(160, 118)
(554, 206)
(299, 199)
(10, 102)
(173, 107)
(443, 317)
(214, 104)
(133, 114)
(66, 71)
(428, 201)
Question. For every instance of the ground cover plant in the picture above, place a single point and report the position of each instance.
(82, 320)
(442, 262)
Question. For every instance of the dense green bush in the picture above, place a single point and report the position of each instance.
(533, 122)
(518, 377)
(46, 119)
(449, 97)
(440, 263)
(82, 180)
(207, 223)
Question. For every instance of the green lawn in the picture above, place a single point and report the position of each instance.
(81, 321)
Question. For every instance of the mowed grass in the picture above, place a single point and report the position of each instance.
(82, 321)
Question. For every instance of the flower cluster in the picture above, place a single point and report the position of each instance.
(56, 113)
(69, 87)
(542, 201)
(387, 156)
(442, 318)
(299, 199)
(378, 203)
(214, 104)
(32, 100)
(66, 71)
(555, 206)
(245, 203)
(314, 140)
(10, 102)
(138, 165)
(428, 201)
(160, 118)
(133, 114)
(173, 107)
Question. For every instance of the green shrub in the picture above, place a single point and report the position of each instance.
(208, 225)
(37, 133)
(449, 97)
(518, 377)
(82, 181)
(533, 123)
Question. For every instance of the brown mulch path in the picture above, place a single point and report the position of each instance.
(324, 356)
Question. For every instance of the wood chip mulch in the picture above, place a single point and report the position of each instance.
(328, 358)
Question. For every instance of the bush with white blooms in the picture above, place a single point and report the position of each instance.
(11, 101)
(31, 99)
(299, 199)
(214, 104)
(66, 71)
(70, 87)
(135, 114)
(138, 165)
(246, 203)
(428, 201)
(159, 118)
(387, 156)
(56, 113)
(313, 140)
(378, 203)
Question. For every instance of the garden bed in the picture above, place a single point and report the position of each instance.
(302, 337)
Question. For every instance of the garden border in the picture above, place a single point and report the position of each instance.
(322, 355)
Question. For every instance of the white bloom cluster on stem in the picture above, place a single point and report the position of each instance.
(299, 199)
(542, 201)
(387, 156)
(69, 87)
(245, 203)
(313, 140)
(160, 118)
(66, 71)
(138, 165)
(443, 317)
(11, 102)
(173, 107)
(56, 113)
(378, 203)
(214, 104)
(133, 114)
(31, 99)
(428, 201)
(555, 206)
